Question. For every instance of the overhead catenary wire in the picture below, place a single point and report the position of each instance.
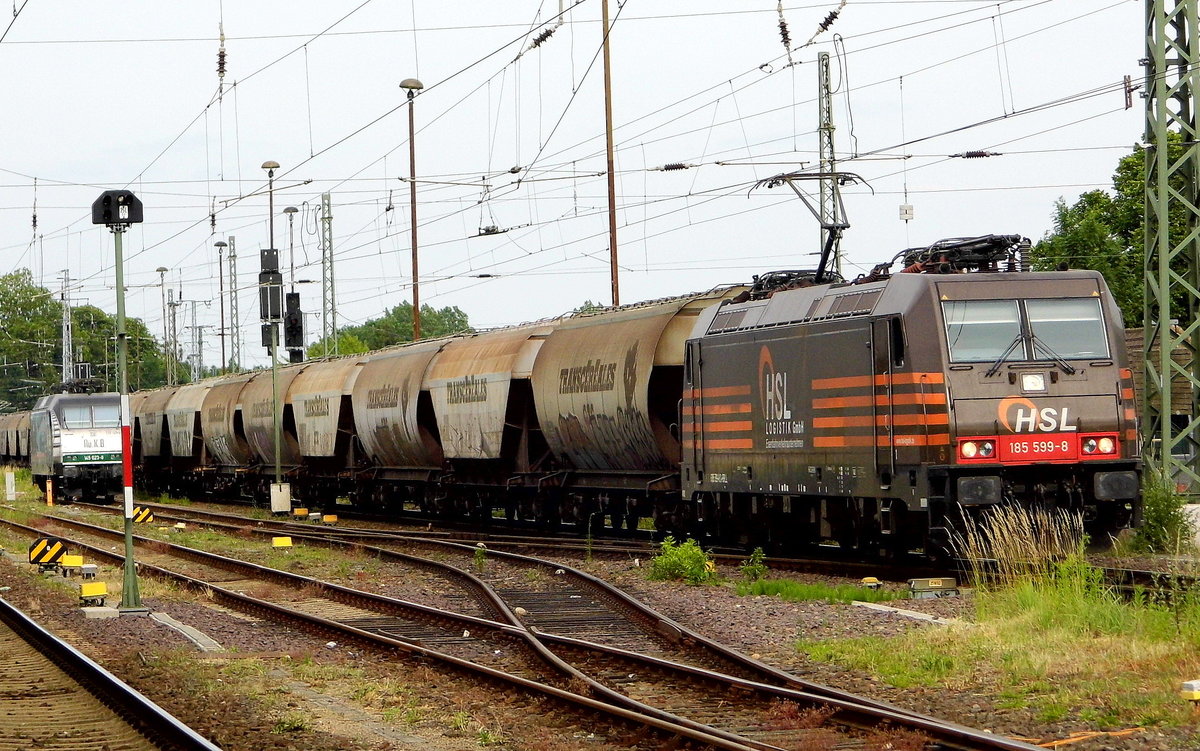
(529, 196)
(16, 14)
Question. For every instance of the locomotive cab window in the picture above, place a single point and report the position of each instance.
(1029, 330)
(77, 416)
(91, 416)
(1071, 328)
(982, 330)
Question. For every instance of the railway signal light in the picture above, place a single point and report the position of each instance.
(270, 287)
(293, 323)
(117, 209)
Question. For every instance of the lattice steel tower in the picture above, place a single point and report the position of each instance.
(1172, 264)
(828, 165)
(328, 292)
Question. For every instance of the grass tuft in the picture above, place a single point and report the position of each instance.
(790, 589)
(1052, 638)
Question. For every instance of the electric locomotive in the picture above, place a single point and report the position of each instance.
(75, 441)
(880, 413)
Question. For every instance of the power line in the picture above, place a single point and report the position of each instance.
(16, 14)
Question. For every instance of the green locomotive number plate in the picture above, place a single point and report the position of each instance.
(91, 458)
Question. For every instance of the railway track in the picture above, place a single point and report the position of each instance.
(533, 542)
(551, 597)
(747, 703)
(55, 697)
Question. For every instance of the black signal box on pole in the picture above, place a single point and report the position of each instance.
(117, 208)
(270, 287)
(293, 327)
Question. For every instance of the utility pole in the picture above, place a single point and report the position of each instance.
(235, 331)
(196, 358)
(221, 245)
(1172, 268)
(172, 338)
(608, 150)
(328, 296)
(828, 163)
(68, 344)
(162, 288)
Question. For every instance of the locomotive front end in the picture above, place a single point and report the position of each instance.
(1041, 396)
(76, 441)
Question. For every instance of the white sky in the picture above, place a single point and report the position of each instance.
(101, 96)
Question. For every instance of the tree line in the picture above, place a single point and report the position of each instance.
(31, 342)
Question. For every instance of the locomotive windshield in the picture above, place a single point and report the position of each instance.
(1024, 330)
(77, 416)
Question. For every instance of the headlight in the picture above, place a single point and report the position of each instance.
(1089, 445)
(1106, 445)
(979, 448)
(1033, 382)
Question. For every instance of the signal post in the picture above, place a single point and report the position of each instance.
(117, 209)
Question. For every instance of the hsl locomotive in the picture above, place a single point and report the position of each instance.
(876, 413)
(879, 414)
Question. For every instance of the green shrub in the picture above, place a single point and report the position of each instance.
(1165, 527)
(687, 562)
(754, 568)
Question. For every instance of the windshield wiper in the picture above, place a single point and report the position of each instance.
(1003, 356)
(1057, 358)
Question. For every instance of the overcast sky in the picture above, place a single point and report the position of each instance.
(510, 136)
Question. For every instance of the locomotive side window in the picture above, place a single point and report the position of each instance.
(982, 330)
(897, 342)
(1071, 328)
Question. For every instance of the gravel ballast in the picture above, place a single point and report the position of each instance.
(296, 675)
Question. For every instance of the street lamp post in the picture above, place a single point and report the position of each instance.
(117, 209)
(280, 493)
(412, 86)
(221, 245)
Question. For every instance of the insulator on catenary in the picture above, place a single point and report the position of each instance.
(829, 19)
(673, 166)
(975, 154)
(542, 37)
(783, 34)
(221, 63)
